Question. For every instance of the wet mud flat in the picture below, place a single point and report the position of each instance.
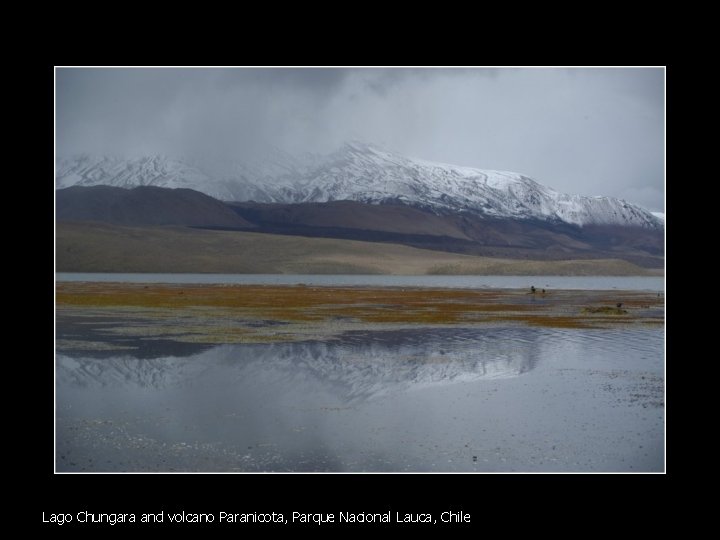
(250, 379)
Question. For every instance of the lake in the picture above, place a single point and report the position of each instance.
(435, 399)
(627, 283)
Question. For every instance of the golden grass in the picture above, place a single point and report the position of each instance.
(223, 311)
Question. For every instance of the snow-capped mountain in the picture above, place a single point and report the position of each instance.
(158, 171)
(364, 173)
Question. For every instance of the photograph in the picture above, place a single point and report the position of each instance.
(360, 269)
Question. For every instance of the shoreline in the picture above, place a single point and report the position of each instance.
(333, 379)
(113, 316)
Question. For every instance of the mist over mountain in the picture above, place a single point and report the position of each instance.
(360, 192)
(363, 173)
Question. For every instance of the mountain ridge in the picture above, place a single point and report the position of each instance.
(364, 173)
(144, 205)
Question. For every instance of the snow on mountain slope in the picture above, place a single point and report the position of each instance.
(158, 171)
(364, 173)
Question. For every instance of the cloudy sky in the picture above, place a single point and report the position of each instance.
(584, 131)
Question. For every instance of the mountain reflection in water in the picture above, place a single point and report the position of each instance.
(359, 366)
(451, 399)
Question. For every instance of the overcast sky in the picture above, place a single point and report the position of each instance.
(584, 131)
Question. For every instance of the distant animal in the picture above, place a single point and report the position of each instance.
(532, 289)
(543, 291)
(619, 305)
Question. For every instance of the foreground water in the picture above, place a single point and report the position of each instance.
(626, 283)
(454, 399)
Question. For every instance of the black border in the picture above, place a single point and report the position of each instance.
(500, 499)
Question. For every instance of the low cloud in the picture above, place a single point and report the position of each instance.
(586, 131)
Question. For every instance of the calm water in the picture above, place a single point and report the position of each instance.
(628, 283)
(481, 399)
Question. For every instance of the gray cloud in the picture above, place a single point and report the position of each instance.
(587, 131)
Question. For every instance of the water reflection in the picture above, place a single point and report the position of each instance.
(359, 366)
(416, 400)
